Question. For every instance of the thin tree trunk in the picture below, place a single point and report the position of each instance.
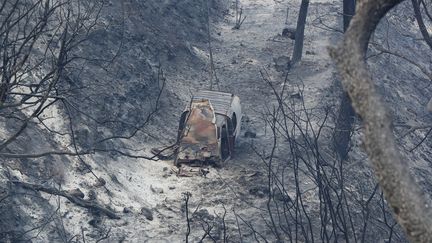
(345, 120)
(299, 35)
(344, 123)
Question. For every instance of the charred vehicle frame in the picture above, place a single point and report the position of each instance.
(208, 128)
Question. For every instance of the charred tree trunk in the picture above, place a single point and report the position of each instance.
(299, 35)
(345, 120)
(402, 193)
(348, 12)
(344, 123)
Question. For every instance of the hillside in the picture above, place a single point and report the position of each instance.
(138, 68)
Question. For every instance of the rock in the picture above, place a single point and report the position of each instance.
(256, 174)
(289, 32)
(100, 182)
(156, 190)
(310, 53)
(114, 179)
(121, 223)
(296, 96)
(282, 63)
(245, 118)
(82, 168)
(283, 197)
(95, 222)
(76, 193)
(250, 134)
(171, 187)
(148, 214)
(127, 210)
(259, 191)
(204, 214)
(92, 195)
(204, 171)
(165, 169)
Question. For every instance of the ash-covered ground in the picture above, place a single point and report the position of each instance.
(153, 46)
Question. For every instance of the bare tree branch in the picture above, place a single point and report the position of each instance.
(401, 191)
(420, 22)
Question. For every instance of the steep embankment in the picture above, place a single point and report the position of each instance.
(110, 90)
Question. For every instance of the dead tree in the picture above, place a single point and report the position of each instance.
(299, 35)
(344, 122)
(401, 191)
(34, 41)
(298, 158)
(42, 45)
(239, 19)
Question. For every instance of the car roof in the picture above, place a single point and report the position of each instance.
(220, 101)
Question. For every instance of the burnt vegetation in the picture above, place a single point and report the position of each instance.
(82, 88)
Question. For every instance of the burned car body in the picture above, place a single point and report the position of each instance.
(208, 128)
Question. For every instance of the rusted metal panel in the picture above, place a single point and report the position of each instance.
(199, 139)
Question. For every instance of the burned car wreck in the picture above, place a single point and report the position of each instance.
(208, 128)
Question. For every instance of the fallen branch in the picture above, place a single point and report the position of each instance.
(78, 201)
(154, 157)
